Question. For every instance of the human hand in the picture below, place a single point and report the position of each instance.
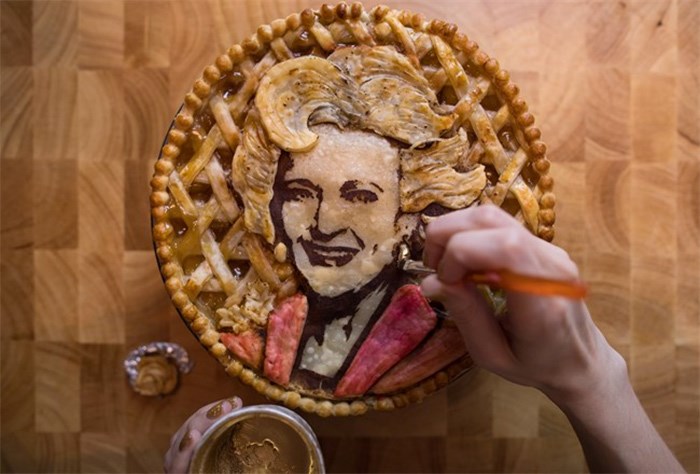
(177, 459)
(547, 342)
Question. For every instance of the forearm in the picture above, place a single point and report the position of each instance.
(549, 343)
(615, 432)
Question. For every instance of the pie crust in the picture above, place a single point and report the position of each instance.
(259, 102)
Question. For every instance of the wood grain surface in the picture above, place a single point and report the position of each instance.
(88, 89)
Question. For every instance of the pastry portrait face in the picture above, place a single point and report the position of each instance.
(340, 203)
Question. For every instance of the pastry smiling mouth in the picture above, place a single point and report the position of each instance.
(327, 255)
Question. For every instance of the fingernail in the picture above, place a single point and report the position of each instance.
(186, 441)
(215, 411)
(430, 287)
(235, 403)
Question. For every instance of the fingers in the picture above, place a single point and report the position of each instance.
(439, 232)
(481, 250)
(538, 336)
(178, 458)
(482, 333)
(209, 414)
(488, 239)
(182, 443)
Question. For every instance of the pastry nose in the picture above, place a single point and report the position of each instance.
(328, 222)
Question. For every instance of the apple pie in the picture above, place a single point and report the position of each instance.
(299, 165)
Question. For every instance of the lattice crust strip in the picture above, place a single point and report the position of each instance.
(213, 231)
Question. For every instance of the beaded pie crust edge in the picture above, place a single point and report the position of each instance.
(162, 231)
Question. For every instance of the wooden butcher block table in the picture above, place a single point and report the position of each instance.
(88, 91)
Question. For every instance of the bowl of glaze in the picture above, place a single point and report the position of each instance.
(259, 439)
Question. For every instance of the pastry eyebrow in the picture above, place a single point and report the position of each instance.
(302, 182)
(352, 184)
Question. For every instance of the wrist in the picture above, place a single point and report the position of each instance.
(615, 432)
(604, 383)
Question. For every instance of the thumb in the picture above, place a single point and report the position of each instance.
(482, 333)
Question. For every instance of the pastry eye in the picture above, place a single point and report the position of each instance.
(354, 191)
(299, 194)
(300, 191)
(360, 195)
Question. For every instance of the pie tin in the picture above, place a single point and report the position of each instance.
(261, 439)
